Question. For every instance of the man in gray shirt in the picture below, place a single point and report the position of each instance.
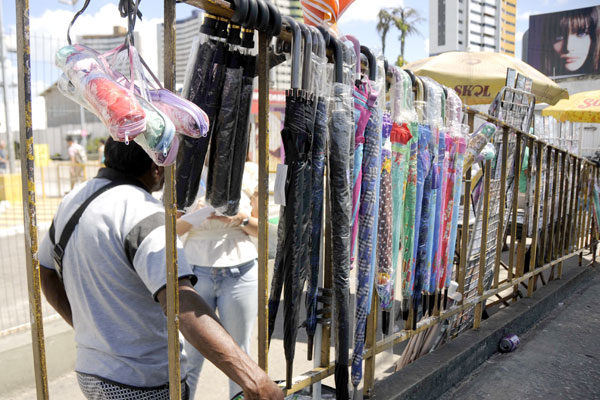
(111, 288)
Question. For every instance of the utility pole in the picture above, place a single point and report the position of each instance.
(9, 138)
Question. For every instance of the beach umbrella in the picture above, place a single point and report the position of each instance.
(579, 107)
(478, 76)
(368, 217)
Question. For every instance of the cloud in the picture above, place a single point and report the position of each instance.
(524, 16)
(519, 36)
(364, 10)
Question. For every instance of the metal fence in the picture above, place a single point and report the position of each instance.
(52, 183)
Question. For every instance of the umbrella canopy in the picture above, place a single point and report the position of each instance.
(477, 77)
(580, 107)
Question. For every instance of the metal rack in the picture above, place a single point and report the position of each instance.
(574, 231)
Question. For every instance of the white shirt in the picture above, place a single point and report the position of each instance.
(217, 244)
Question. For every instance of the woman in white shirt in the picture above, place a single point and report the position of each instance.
(224, 258)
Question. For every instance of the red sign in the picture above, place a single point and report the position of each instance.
(276, 100)
(589, 102)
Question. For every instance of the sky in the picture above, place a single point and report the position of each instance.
(49, 20)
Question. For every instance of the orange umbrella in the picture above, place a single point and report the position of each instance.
(329, 11)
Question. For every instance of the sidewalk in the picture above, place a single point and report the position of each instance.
(557, 359)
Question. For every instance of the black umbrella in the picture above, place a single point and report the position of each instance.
(240, 148)
(318, 164)
(278, 270)
(223, 135)
(207, 82)
(341, 132)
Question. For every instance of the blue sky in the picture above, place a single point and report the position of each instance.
(358, 20)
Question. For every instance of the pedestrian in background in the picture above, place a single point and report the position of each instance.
(78, 158)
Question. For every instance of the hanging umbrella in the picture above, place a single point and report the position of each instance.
(222, 140)
(318, 164)
(293, 260)
(240, 143)
(442, 176)
(324, 12)
(206, 83)
(478, 76)
(384, 230)
(340, 148)
(580, 107)
(368, 216)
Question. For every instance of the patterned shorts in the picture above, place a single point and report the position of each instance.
(95, 388)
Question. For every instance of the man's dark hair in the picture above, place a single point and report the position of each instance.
(70, 138)
(102, 141)
(129, 159)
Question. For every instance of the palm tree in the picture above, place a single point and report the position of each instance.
(384, 24)
(405, 19)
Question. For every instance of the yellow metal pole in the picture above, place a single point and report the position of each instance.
(263, 200)
(370, 341)
(544, 239)
(536, 217)
(515, 206)
(483, 247)
(563, 210)
(28, 192)
(501, 207)
(553, 222)
(170, 216)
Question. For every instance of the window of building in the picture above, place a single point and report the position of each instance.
(460, 32)
(509, 13)
(475, 43)
(460, 42)
(511, 4)
(441, 22)
(475, 12)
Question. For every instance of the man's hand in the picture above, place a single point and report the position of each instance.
(266, 390)
(201, 327)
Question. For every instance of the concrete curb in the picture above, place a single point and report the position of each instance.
(17, 357)
(434, 374)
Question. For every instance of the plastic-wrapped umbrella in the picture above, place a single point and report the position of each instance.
(340, 148)
(204, 91)
(384, 230)
(292, 257)
(240, 143)
(318, 164)
(442, 176)
(368, 216)
(222, 140)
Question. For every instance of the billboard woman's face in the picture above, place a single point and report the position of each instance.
(573, 49)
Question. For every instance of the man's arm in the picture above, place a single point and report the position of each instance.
(54, 291)
(202, 329)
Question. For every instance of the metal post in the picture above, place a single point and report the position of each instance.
(263, 200)
(9, 135)
(545, 233)
(483, 247)
(525, 225)
(501, 208)
(371, 340)
(551, 240)
(536, 217)
(28, 191)
(572, 226)
(170, 216)
(563, 211)
(464, 240)
(515, 206)
(582, 206)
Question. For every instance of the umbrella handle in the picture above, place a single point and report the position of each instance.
(372, 62)
(307, 37)
(274, 20)
(240, 11)
(262, 23)
(356, 45)
(296, 43)
(251, 16)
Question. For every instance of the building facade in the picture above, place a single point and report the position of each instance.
(186, 30)
(472, 25)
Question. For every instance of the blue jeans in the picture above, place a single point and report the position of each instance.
(233, 293)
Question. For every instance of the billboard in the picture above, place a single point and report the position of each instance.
(565, 43)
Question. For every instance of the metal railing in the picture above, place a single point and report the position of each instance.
(566, 228)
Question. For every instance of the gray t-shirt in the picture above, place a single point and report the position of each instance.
(113, 267)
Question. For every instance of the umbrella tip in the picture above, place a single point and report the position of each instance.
(289, 373)
(309, 350)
